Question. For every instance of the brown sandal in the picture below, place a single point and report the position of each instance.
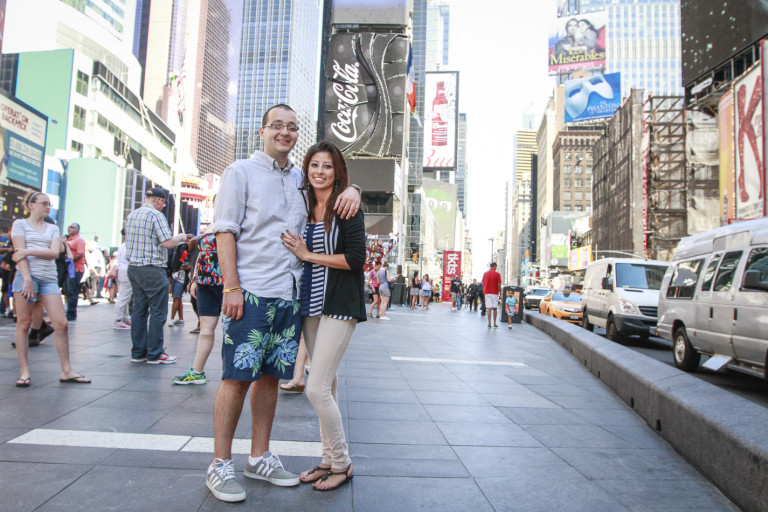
(316, 469)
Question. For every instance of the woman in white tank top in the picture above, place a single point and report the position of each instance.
(36, 245)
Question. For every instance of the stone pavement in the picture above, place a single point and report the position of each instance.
(441, 413)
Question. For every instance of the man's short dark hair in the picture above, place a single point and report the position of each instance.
(270, 109)
(493, 265)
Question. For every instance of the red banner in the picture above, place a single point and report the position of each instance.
(451, 269)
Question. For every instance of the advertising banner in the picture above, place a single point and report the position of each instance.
(578, 42)
(22, 143)
(441, 120)
(451, 269)
(580, 258)
(365, 97)
(725, 128)
(750, 169)
(592, 97)
(441, 199)
(371, 12)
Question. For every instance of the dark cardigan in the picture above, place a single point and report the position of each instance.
(344, 293)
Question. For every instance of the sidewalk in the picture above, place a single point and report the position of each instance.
(441, 412)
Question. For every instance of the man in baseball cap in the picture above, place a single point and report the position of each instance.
(147, 238)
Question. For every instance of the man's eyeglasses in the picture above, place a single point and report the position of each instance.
(279, 127)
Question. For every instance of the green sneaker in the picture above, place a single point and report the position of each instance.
(190, 377)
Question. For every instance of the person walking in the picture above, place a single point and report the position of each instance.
(207, 288)
(36, 245)
(510, 303)
(472, 295)
(491, 286)
(258, 199)
(385, 292)
(415, 289)
(124, 291)
(374, 283)
(455, 293)
(426, 291)
(147, 238)
(95, 261)
(333, 252)
(77, 247)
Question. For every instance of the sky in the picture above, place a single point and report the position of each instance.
(500, 51)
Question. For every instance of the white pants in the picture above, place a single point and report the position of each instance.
(124, 292)
(327, 339)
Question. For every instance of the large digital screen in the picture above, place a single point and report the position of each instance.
(370, 12)
(22, 143)
(592, 97)
(365, 98)
(441, 98)
(713, 31)
(577, 42)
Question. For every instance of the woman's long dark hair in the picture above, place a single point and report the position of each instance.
(340, 183)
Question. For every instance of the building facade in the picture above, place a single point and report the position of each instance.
(572, 170)
(278, 64)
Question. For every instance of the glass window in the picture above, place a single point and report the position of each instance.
(709, 275)
(566, 169)
(578, 169)
(578, 183)
(758, 260)
(579, 156)
(725, 273)
(567, 195)
(77, 146)
(589, 169)
(82, 83)
(578, 208)
(78, 121)
(567, 182)
(684, 280)
(639, 275)
(578, 196)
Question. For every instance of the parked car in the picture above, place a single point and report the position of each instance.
(562, 305)
(622, 295)
(714, 299)
(533, 296)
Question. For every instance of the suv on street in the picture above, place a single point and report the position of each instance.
(532, 298)
(714, 299)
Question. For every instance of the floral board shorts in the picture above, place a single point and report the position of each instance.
(264, 341)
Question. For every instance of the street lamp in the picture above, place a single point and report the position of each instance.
(491, 239)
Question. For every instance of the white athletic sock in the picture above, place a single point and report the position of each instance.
(253, 461)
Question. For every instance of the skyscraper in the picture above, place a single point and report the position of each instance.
(438, 25)
(278, 64)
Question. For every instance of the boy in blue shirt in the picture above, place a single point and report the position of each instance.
(510, 302)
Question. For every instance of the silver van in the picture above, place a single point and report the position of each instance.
(714, 299)
(622, 295)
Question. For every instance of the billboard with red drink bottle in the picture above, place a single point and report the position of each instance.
(441, 120)
(451, 269)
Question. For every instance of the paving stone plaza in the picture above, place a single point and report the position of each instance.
(441, 414)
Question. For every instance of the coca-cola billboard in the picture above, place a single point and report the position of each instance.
(365, 101)
(440, 120)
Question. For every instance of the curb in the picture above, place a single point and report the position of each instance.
(723, 435)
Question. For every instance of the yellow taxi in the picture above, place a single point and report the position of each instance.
(563, 305)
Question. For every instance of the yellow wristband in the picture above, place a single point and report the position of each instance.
(235, 289)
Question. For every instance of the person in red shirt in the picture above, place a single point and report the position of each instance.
(77, 245)
(491, 287)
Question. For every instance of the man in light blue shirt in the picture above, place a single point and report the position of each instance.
(259, 199)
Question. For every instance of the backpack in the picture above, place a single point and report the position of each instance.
(180, 254)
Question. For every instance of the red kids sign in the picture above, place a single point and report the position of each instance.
(451, 269)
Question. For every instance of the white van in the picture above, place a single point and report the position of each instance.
(714, 299)
(622, 295)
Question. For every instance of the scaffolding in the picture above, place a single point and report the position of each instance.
(667, 182)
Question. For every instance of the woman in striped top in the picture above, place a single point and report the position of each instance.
(36, 246)
(332, 301)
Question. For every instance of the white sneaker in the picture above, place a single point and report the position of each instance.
(385, 318)
(270, 468)
(220, 480)
(121, 325)
(163, 359)
(179, 322)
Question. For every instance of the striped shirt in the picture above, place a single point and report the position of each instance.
(39, 268)
(315, 278)
(146, 228)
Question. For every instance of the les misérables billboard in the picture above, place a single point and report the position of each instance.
(441, 93)
(578, 42)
